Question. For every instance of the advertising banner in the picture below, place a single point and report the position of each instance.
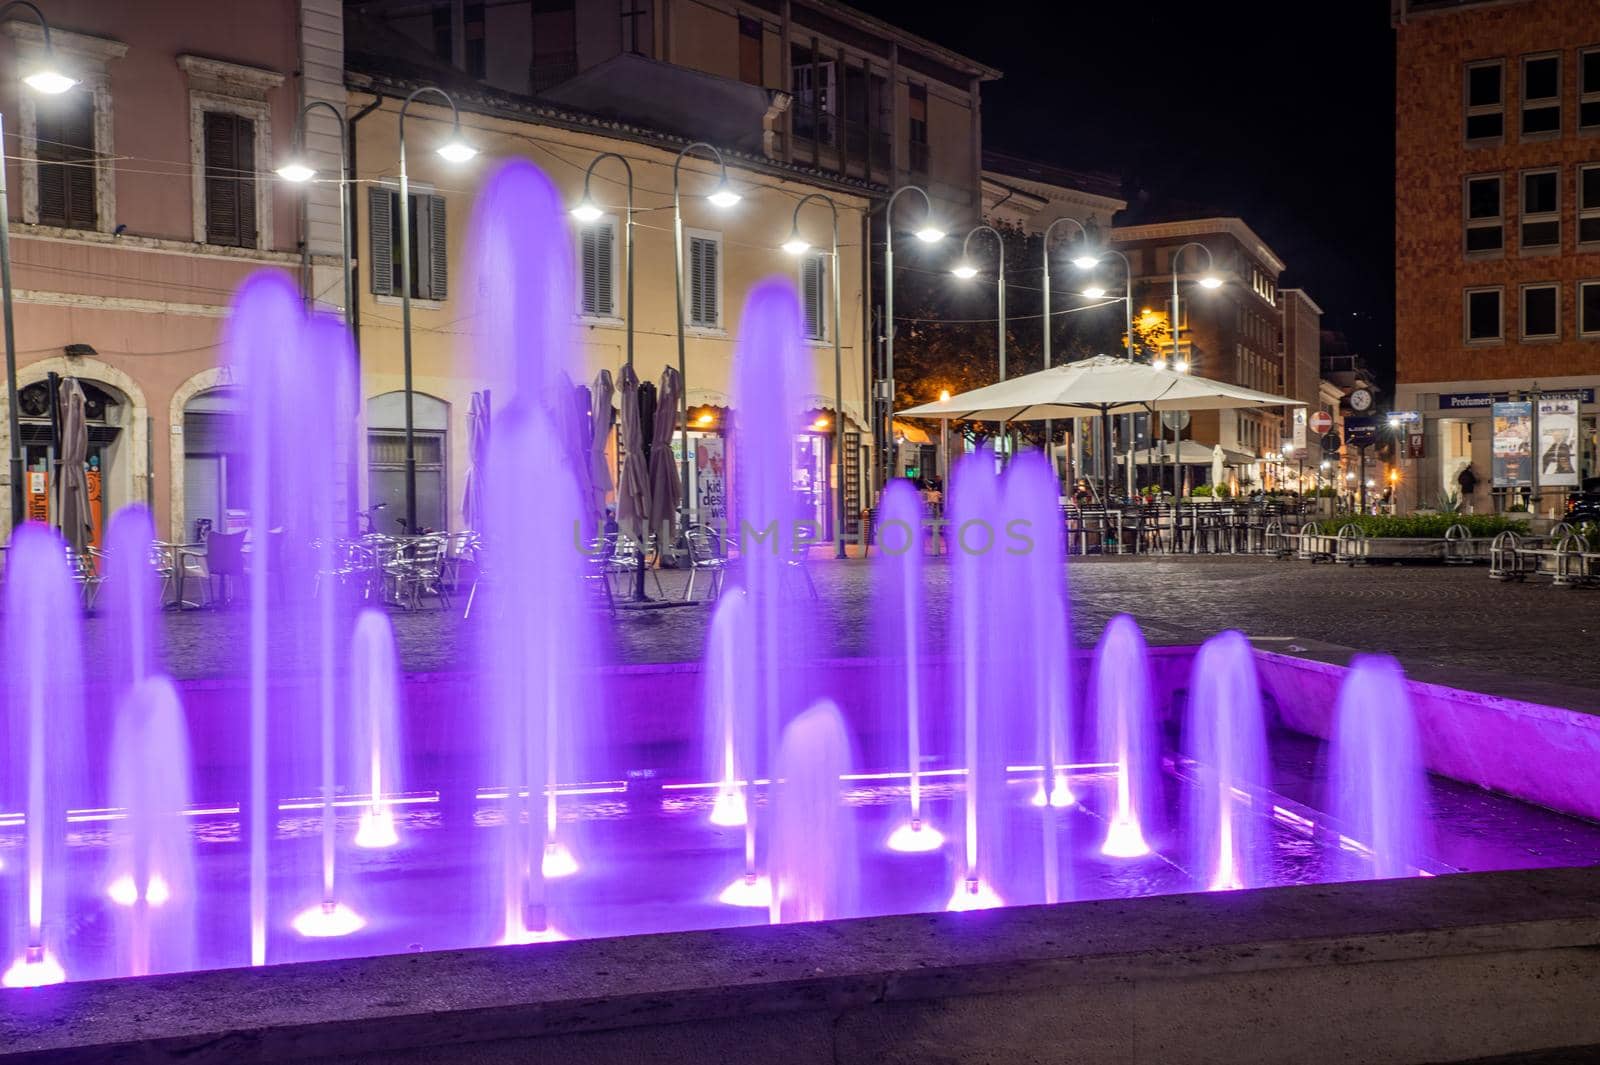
(1558, 441)
(1513, 445)
(1299, 428)
(711, 493)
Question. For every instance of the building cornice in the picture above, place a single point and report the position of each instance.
(1301, 294)
(1201, 227)
(230, 78)
(1046, 193)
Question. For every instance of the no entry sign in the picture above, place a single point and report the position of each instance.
(1321, 422)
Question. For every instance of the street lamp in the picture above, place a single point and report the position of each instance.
(1082, 257)
(722, 197)
(454, 150)
(1208, 280)
(966, 271)
(1094, 292)
(927, 234)
(298, 170)
(587, 211)
(47, 79)
(798, 245)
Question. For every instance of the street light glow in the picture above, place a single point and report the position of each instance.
(965, 271)
(1094, 292)
(1181, 366)
(49, 81)
(930, 234)
(586, 211)
(297, 171)
(944, 395)
(1211, 281)
(1086, 261)
(796, 244)
(1160, 364)
(724, 196)
(456, 150)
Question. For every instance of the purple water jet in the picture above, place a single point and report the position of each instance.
(1379, 786)
(374, 728)
(1226, 735)
(1127, 739)
(730, 724)
(815, 868)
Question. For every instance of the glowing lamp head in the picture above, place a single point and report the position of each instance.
(456, 150)
(944, 395)
(50, 81)
(796, 244)
(820, 423)
(1211, 281)
(1288, 449)
(1181, 366)
(724, 196)
(1160, 364)
(965, 271)
(705, 419)
(930, 234)
(1085, 261)
(1322, 465)
(297, 171)
(1094, 292)
(586, 211)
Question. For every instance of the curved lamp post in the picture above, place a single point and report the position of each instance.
(928, 234)
(47, 78)
(454, 150)
(300, 171)
(798, 245)
(1208, 280)
(1095, 292)
(587, 211)
(966, 271)
(1083, 261)
(722, 196)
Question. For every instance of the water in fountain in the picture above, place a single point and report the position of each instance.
(130, 598)
(730, 680)
(1226, 735)
(374, 729)
(538, 644)
(45, 773)
(274, 350)
(898, 571)
(1127, 736)
(815, 866)
(151, 879)
(1030, 553)
(771, 374)
(1379, 787)
(981, 662)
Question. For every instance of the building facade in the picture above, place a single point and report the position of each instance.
(139, 200)
(1497, 247)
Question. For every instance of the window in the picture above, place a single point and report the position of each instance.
(230, 179)
(1482, 308)
(597, 289)
(1541, 95)
(64, 127)
(1485, 221)
(813, 288)
(1589, 308)
(918, 137)
(750, 65)
(705, 281)
(1486, 102)
(1589, 204)
(1589, 90)
(429, 261)
(815, 94)
(1541, 209)
(1540, 312)
(555, 41)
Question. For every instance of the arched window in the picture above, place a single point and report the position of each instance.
(386, 459)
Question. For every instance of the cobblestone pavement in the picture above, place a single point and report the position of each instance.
(1444, 619)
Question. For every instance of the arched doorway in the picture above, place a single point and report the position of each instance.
(386, 459)
(107, 410)
(214, 472)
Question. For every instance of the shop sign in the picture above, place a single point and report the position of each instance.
(1513, 444)
(1481, 400)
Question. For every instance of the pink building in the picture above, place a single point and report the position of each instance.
(138, 201)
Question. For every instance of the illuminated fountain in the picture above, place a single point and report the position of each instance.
(814, 867)
(1126, 719)
(1379, 789)
(1226, 735)
(374, 728)
(730, 728)
(45, 770)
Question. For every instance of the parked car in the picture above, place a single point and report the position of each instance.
(1584, 504)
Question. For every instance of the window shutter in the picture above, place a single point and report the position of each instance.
(380, 227)
(230, 187)
(703, 294)
(65, 150)
(438, 264)
(811, 283)
(597, 272)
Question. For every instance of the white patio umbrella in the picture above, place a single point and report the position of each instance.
(633, 493)
(1189, 453)
(666, 486)
(1219, 459)
(1098, 387)
(600, 415)
(472, 501)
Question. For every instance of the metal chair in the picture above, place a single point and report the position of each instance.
(418, 570)
(705, 555)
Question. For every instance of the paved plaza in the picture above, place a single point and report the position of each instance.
(1446, 623)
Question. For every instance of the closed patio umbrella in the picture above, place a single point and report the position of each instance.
(1218, 458)
(665, 483)
(600, 414)
(472, 502)
(72, 486)
(633, 493)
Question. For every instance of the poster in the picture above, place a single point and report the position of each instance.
(711, 498)
(1299, 429)
(1513, 445)
(1558, 441)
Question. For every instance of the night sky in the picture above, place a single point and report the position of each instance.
(1280, 114)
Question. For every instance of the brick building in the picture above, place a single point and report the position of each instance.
(1497, 244)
